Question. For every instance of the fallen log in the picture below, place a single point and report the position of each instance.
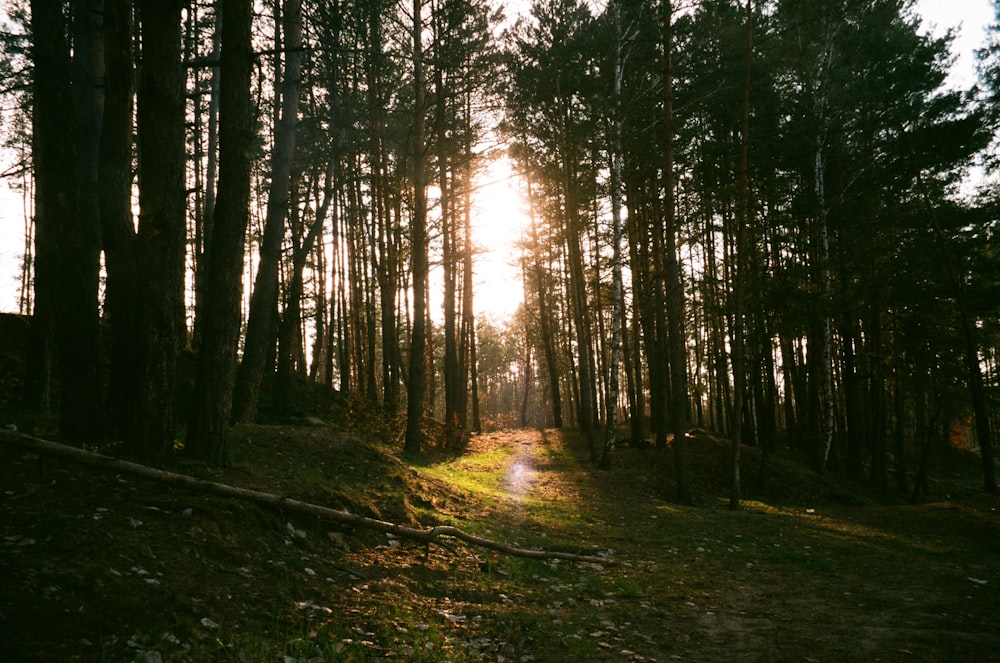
(427, 536)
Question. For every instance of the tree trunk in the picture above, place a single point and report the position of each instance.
(742, 249)
(418, 246)
(161, 240)
(449, 260)
(208, 430)
(52, 142)
(291, 318)
(825, 372)
(617, 234)
(852, 398)
(264, 300)
(977, 388)
(581, 319)
(66, 135)
(117, 225)
(211, 177)
(81, 402)
(469, 362)
(545, 317)
(639, 276)
(675, 293)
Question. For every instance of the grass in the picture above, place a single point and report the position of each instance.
(789, 578)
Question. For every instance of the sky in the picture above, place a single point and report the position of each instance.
(498, 283)
(969, 18)
(11, 245)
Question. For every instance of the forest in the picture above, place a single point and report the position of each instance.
(740, 216)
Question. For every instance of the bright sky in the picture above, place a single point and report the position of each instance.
(11, 246)
(498, 285)
(498, 221)
(969, 18)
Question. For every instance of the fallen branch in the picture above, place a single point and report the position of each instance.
(428, 536)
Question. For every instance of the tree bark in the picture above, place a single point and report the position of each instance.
(469, 368)
(264, 300)
(80, 361)
(545, 316)
(51, 153)
(208, 430)
(453, 386)
(675, 293)
(160, 115)
(117, 224)
(416, 387)
(67, 106)
(617, 234)
(742, 249)
(204, 238)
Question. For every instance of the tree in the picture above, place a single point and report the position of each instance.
(160, 242)
(617, 232)
(674, 288)
(742, 220)
(416, 386)
(66, 130)
(208, 430)
(539, 289)
(51, 141)
(264, 300)
(117, 224)
(550, 102)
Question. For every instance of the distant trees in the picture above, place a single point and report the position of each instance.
(741, 211)
(769, 247)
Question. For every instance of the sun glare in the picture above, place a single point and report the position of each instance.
(499, 218)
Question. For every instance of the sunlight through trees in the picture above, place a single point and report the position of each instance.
(630, 217)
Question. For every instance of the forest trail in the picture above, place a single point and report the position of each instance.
(811, 581)
(99, 567)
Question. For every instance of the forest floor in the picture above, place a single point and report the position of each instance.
(99, 566)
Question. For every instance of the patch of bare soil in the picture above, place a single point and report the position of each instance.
(99, 566)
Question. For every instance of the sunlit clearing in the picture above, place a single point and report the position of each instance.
(499, 217)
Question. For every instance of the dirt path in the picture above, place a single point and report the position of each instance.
(819, 583)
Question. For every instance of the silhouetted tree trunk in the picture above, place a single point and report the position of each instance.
(52, 143)
(469, 362)
(388, 236)
(208, 431)
(264, 300)
(449, 259)
(416, 385)
(289, 343)
(66, 134)
(617, 235)
(577, 292)
(81, 402)
(204, 234)
(545, 320)
(117, 225)
(160, 115)
(742, 260)
(675, 293)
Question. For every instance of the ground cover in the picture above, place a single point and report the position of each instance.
(99, 566)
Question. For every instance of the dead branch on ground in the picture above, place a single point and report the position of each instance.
(426, 536)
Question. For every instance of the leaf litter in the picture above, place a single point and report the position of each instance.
(238, 582)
